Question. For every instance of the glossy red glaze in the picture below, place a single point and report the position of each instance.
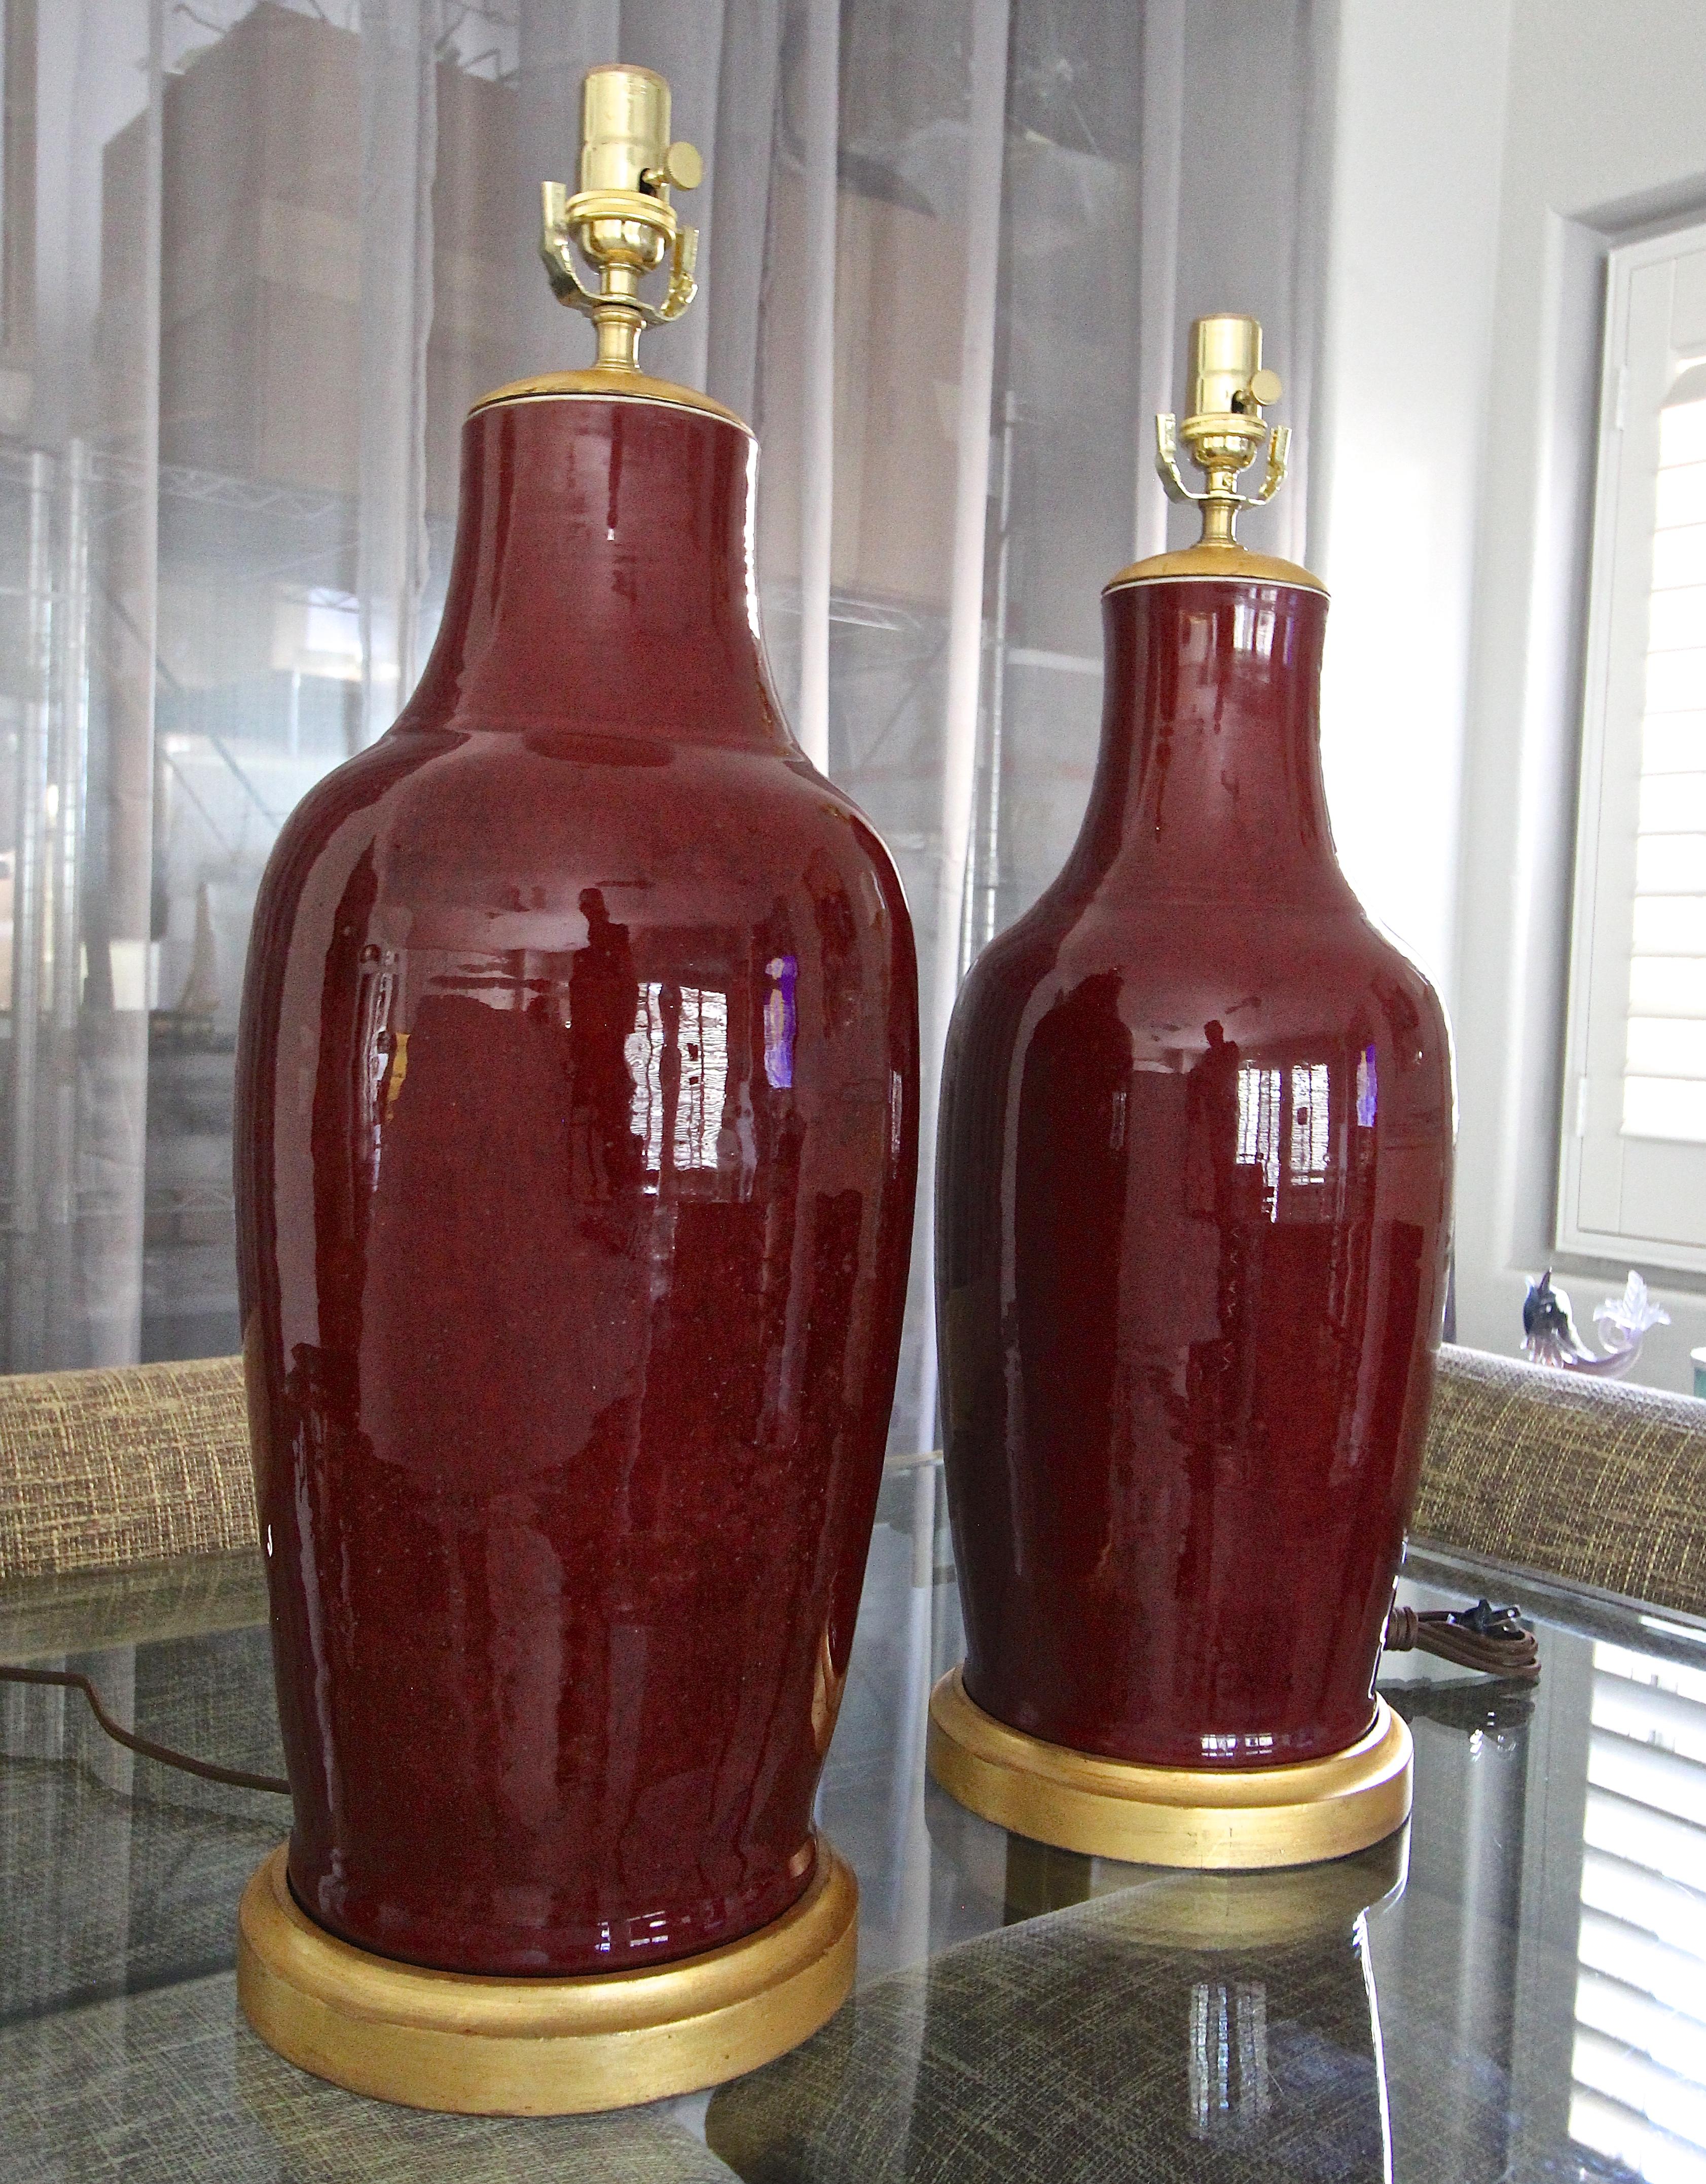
(576, 1149)
(1193, 1188)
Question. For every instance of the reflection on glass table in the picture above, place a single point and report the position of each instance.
(1514, 1987)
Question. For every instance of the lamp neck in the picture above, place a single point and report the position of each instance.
(1209, 781)
(603, 568)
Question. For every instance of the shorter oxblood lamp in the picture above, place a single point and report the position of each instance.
(1192, 1192)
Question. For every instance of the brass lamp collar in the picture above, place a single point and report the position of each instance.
(1225, 432)
(620, 219)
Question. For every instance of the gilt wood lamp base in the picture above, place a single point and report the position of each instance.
(1223, 1820)
(478, 2046)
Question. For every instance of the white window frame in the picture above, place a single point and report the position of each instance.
(1601, 1171)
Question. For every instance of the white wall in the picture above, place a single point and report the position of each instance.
(1488, 155)
(1411, 257)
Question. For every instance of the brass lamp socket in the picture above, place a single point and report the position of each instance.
(620, 222)
(1225, 432)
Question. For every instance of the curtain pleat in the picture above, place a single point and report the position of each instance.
(985, 141)
(739, 179)
(1161, 90)
(686, 47)
(399, 158)
(79, 383)
(821, 140)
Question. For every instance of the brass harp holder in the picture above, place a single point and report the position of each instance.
(1225, 432)
(620, 219)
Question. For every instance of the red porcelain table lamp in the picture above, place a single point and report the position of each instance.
(575, 1155)
(1192, 1213)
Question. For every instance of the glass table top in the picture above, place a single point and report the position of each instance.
(1514, 1987)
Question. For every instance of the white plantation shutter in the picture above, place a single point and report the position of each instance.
(1664, 1063)
(1633, 1171)
(1638, 2091)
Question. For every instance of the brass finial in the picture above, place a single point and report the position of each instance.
(1225, 432)
(621, 217)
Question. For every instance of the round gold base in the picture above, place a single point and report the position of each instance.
(1238, 1820)
(476, 2045)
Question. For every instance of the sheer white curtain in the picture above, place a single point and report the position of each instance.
(949, 248)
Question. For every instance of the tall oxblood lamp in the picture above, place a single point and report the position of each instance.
(576, 1144)
(1193, 1193)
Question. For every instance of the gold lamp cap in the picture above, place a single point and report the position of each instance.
(1223, 434)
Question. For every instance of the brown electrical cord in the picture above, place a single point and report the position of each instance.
(1493, 1639)
(69, 1679)
(1489, 1639)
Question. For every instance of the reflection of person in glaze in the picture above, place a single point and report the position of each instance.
(603, 999)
